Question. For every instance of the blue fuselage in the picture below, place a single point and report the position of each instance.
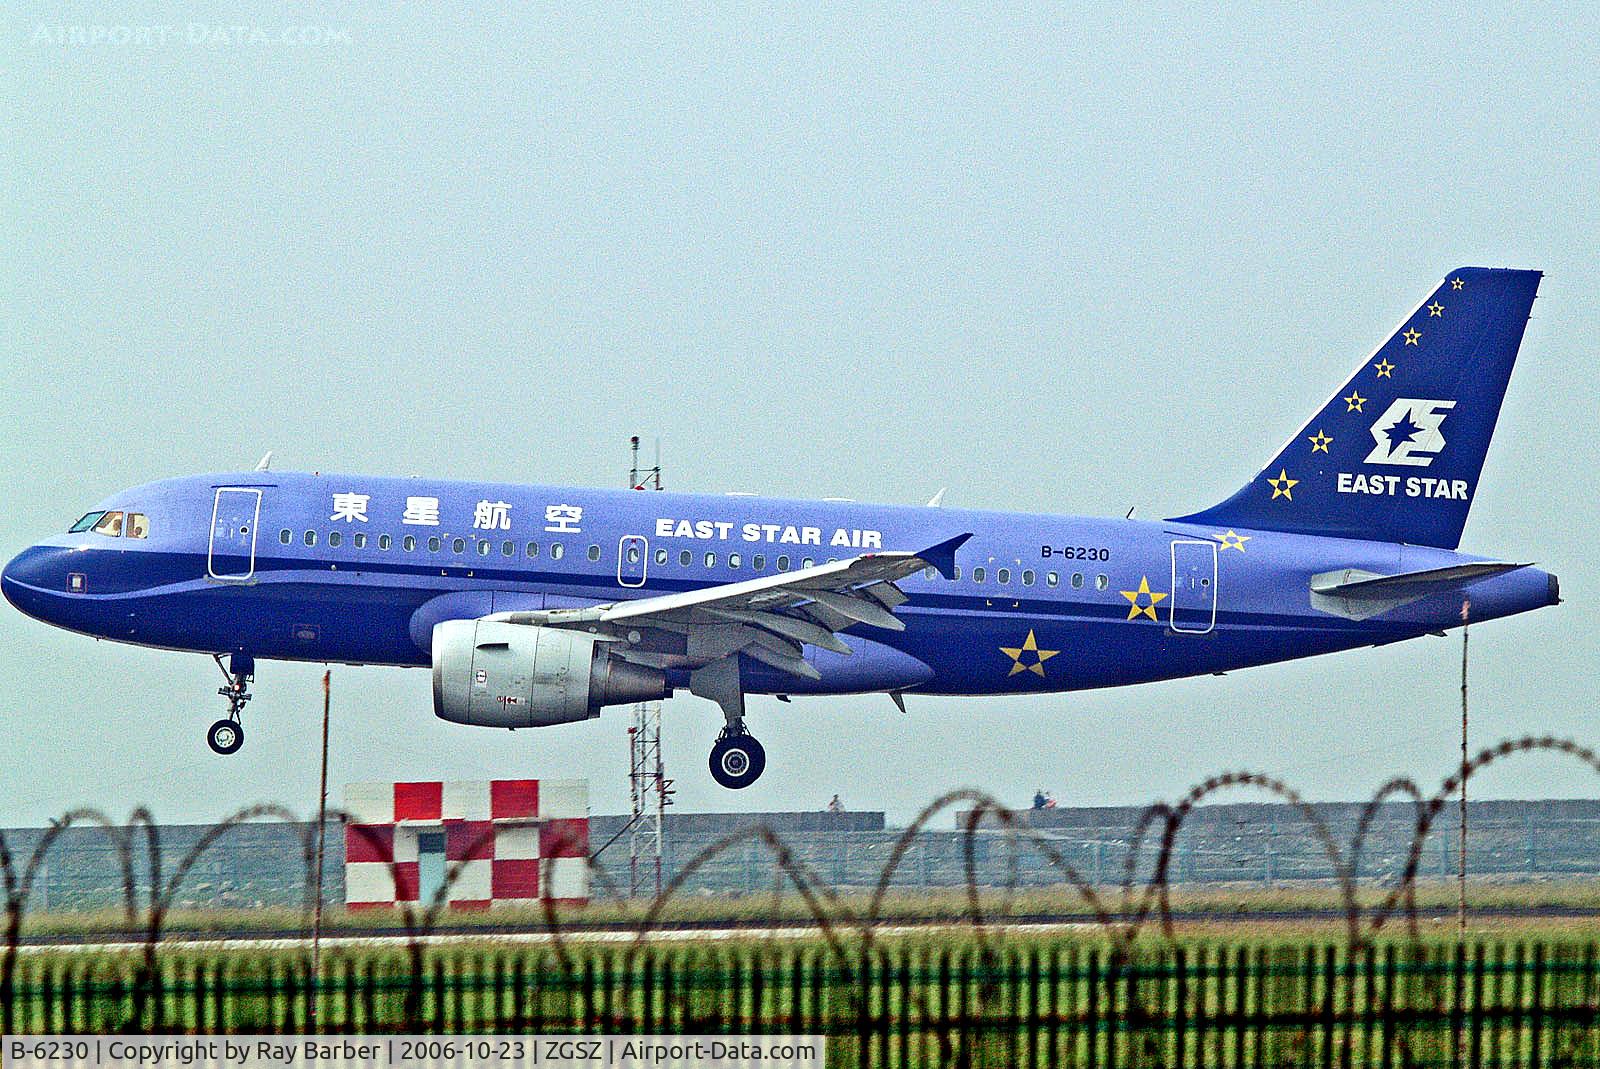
(355, 569)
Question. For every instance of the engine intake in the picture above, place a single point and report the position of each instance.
(492, 674)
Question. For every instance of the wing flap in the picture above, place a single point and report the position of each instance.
(770, 618)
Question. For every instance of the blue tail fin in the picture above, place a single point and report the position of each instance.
(1395, 455)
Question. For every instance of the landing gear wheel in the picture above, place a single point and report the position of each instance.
(737, 761)
(225, 736)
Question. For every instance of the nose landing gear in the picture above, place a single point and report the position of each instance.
(227, 735)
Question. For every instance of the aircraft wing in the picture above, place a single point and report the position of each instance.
(771, 618)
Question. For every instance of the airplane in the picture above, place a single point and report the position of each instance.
(540, 605)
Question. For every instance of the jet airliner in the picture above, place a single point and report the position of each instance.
(539, 605)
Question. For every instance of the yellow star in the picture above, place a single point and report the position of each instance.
(1029, 645)
(1436, 309)
(1355, 401)
(1319, 441)
(1456, 283)
(1232, 540)
(1136, 610)
(1413, 336)
(1282, 485)
(1384, 369)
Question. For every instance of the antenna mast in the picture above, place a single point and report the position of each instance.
(649, 478)
(648, 786)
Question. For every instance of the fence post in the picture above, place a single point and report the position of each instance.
(1536, 1008)
(1092, 1016)
(1386, 1028)
(1034, 978)
(1180, 1007)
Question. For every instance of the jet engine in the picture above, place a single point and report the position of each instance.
(492, 674)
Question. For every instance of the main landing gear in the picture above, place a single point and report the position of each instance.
(227, 735)
(737, 759)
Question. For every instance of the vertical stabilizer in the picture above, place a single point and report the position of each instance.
(1395, 454)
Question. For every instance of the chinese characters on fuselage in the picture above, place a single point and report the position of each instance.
(486, 515)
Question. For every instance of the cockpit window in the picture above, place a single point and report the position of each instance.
(88, 521)
(138, 525)
(110, 525)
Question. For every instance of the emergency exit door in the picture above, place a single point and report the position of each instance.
(234, 513)
(1194, 586)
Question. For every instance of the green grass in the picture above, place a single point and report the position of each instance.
(1249, 904)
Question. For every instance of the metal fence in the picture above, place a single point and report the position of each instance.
(1517, 1004)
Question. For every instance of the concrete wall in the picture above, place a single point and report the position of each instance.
(255, 865)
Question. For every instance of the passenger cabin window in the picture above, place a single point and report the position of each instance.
(711, 560)
(409, 543)
(807, 563)
(929, 573)
(485, 547)
(594, 552)
(759, 561)
(1077, 580)
(557, 550)
(110, 525)
(955, 572)
(286, 536)
(138, 525)
(661, 556)
(433, 544)
(1102, 582)
(783, 563)
(334, 538)
(384, 542)
(311, 538)
(1052, 579)
(977, 575)
(1027, 577)
(734, 560)
(686, 558)
(634, 554)
(508, 549)
(1003, 575)
(459, 545)
(360, 539)
(533, 550)
(85, 523)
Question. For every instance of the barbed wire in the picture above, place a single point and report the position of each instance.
(849, 934)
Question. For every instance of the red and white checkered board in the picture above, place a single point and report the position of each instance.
(506, 841)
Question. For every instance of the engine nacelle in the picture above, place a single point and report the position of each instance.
(492, 674)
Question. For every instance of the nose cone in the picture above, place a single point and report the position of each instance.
(34, 578)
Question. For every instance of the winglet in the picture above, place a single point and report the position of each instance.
(265, 463)
(937, 500)
(943, 556)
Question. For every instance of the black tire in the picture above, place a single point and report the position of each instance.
(737, 761)
(225, 736)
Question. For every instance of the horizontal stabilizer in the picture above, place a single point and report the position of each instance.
(1353, 583)
(1358, 595)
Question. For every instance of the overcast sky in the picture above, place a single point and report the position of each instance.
(1056, 264)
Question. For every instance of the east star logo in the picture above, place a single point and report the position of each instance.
(1408, 432)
